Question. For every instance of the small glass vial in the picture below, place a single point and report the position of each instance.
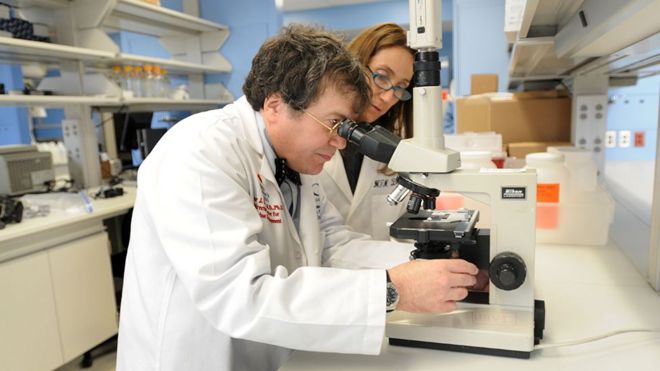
(138, 81)
(128, 90)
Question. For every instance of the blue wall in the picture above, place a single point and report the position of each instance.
(350, 17)
(359, 16)
(13, 120)
(250, 23)
(480, 45)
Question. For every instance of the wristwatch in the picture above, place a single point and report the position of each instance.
(392, 295)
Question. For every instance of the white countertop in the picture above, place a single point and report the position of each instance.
(33, 234)
(588, 291)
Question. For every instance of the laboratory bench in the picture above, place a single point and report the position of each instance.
(56, 285)
(588, 291)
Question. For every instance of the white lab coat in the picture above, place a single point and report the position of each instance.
(367, 210)
(217, 276)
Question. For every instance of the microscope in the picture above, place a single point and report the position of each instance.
(501, 317)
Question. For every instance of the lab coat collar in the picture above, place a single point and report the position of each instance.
(269, 152)
(335, 168)
(248, 115)
(368, 173)
(252, 128)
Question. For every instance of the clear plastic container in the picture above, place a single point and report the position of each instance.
(581, 168)
(585, 220)
(486, 141)
(490, 142)
(499, 159)
(477, 160)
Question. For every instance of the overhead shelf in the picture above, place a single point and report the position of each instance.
(55, 100)
(36, 51)
(641, 59)
(165, 104)
(600, 28)
(18, 51)
(536, 59)
(112, 103)
(172, 65)
(544, 18)
(138, 16)
(565, 38)
(46, 4)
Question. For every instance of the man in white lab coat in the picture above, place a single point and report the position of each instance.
(233, 260)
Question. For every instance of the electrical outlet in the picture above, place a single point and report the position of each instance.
(610, 139)
(624, 138)
(639, 139)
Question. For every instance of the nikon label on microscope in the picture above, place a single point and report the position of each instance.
(514, 193)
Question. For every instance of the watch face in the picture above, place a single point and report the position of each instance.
(392, 295)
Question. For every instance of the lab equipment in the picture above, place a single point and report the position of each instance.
(24, 169)
(505, 320)
(11, 211)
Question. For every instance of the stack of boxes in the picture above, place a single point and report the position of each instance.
(528, 122)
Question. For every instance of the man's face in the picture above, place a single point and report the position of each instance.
(299, 138)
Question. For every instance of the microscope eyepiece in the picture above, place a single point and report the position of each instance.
(373, 141)
(346, 128)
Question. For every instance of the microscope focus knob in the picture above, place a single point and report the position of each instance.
(507, 271)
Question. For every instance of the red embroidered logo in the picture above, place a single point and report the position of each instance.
(273, 213)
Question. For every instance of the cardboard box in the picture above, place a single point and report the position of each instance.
(483, 83)
(518, 118)
(522, 149)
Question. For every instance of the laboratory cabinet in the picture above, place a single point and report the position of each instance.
(57, 303)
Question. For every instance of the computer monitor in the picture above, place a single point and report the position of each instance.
(147, 139)
(127, 125)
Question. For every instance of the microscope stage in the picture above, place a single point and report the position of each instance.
(437, 225)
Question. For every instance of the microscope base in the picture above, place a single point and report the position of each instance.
(460, 348)
(482, 329)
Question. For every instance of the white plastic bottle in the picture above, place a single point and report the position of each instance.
(552, 176)
(551, 191)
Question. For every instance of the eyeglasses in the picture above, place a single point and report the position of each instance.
(384, 82)
(332, 130)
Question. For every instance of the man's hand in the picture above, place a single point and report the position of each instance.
(427, 286)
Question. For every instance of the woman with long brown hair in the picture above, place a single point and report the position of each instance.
(356, 185)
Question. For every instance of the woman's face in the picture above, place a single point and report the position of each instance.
(395, 63)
